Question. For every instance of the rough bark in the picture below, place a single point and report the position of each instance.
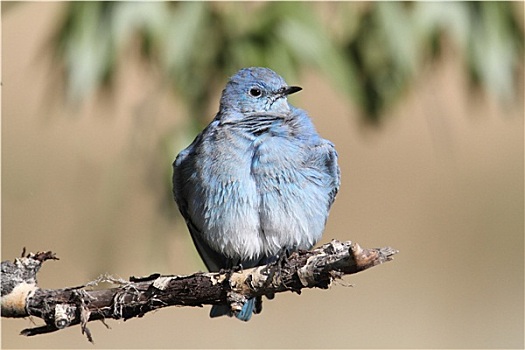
(61, 308)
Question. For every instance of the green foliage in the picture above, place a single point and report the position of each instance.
(370, 51)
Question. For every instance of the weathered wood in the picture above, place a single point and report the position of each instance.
(61, 308)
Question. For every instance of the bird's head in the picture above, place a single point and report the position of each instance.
(257, 90)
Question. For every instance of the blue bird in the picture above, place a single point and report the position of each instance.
(257, 181)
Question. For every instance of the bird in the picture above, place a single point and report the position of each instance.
(257, 182)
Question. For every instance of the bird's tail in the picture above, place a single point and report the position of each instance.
(247, 310)
(251, 306)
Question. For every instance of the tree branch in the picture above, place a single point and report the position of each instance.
(61, 308)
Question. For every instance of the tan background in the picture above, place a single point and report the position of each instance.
(441, 180)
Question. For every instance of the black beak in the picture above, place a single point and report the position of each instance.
(288, 90)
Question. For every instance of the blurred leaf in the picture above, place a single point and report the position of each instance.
(146, 19)
(433, 19)
(307, 41)
(399, 36)
(494, 50)
(85, 46)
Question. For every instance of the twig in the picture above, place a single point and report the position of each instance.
(62, 308)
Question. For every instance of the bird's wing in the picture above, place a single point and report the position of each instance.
(324, 157)
(183, 168)
(214, 261)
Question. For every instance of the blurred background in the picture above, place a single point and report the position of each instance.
(424, 102)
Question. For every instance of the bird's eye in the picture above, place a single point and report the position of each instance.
(255, 92)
